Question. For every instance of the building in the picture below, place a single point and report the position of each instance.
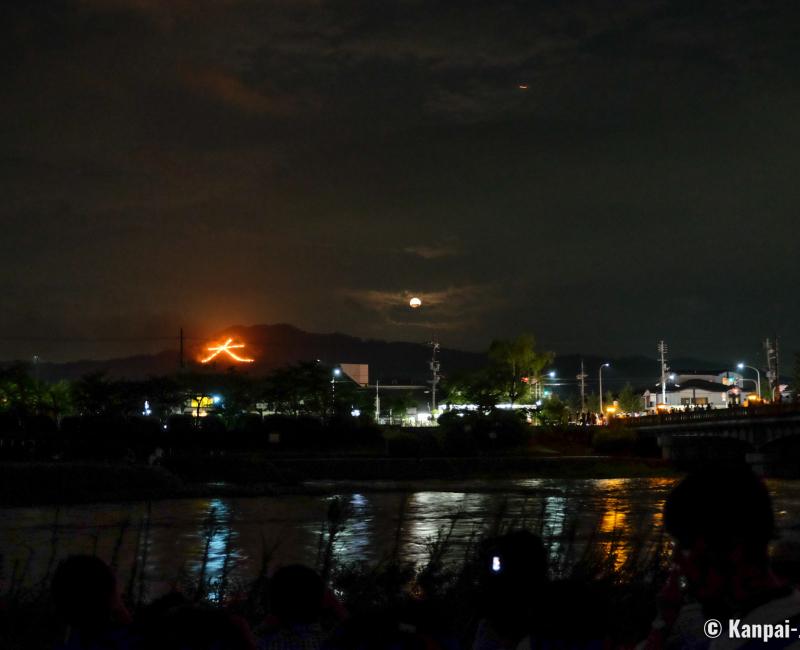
(696, 389)
(357, 372)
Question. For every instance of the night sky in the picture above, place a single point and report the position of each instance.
(602, 174)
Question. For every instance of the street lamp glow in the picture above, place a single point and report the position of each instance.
(415, 303)
(337, 372)
(600, 374)
(552, 374)
(742, 366)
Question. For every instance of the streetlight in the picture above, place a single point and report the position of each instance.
(742, 366)
(551, 375)
(336, 373)
(600, 373)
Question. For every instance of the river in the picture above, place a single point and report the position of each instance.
(616, 514)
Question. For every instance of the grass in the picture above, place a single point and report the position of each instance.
(622, 581)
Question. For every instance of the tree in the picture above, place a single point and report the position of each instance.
(553, 411)
(304, 388)
(796, 377)
(398, 403)
(199, 387)
(514, 360)
(164, 394)
(240, 394)
(479, 387)
(573, 403)
(629, 400)
(93, 394)
(20, 394)
(57, 400)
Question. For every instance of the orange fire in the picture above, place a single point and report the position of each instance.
(227, 348)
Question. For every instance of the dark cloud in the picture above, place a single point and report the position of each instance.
(449, 309)
(202, 163)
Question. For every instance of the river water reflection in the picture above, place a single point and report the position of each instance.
(614, 514)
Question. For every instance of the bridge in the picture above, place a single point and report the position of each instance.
(767, 436)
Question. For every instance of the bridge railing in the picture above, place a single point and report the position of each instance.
(730, 413)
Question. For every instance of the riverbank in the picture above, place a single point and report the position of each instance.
(42, 483)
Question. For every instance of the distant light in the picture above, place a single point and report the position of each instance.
(415, 303)
(216, 399)
(355, 412)
(672, 376)
(552, 374)
(740, 366)
(147, 410)
(522, 86)
(337, 372)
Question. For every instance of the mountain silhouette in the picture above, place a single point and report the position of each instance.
(401, 362)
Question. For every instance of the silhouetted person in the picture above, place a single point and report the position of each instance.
(295, 605)
(513, 576)
(88, 603)
(196, 627)
(386, 630)
(572, 615)
(722, 522)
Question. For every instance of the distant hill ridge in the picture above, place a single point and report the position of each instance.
(274, 346)
(281, 344)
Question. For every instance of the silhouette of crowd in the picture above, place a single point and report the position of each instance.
(720, 521)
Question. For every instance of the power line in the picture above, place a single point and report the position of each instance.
(104, 339)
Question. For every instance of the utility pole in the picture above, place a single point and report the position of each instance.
(773, 375)
(600, 385)
(662, 350)
(434, 373)
(777, 372)
(582, 378)
(377, 400)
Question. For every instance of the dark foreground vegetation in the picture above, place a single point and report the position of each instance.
(438, 600)
(519, 584)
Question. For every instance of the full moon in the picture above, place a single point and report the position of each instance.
(415, 303)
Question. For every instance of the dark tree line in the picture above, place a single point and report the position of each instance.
(301, 390)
